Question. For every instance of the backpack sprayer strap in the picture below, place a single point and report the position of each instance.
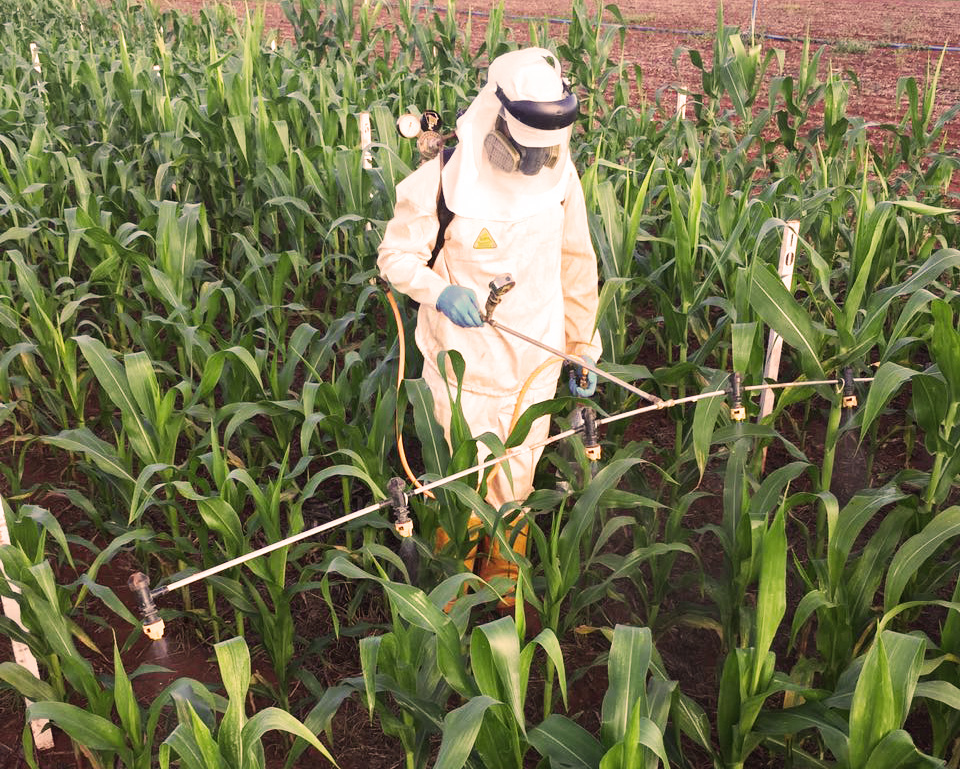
(444, 214)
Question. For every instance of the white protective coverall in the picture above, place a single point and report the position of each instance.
(532, 227)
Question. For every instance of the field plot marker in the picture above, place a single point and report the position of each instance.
(35, 56)
(366, 138)
(771, 365)
(42, 738)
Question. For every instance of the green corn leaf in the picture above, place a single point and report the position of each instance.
(915, 551)
(233, 657)
(180, 742)
(780, 311)
(729, 702)
(895, 751)
(433, 446)
(923, 209)
(583, 515)
(945, 346)
(627, 668)
(547, 640)
(221, 518)
(888, 380)
(141, 498)
(106, 596)
(495, 658)
(86, 728)
(415, 607)
(905, 656)
(705, 417)
(642, 733)
(104, 556)
(143, 383)
(25, 682)
(873, 709)
(939, 691)
(772, 592)
(845, 527)
(275, 719)
(101, 453)
(369, 652)
(45, 519)
(125, 701)
(813, 601)
(566, 744)
(114, 382)
(209, 748)
(213, 368)
(460, 729)
(810, 715)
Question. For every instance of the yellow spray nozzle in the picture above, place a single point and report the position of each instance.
(139, 584)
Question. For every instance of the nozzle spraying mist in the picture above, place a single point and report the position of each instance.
(403, 524)
(139, 584)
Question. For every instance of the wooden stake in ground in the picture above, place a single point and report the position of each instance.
(42, 738)
(771, 366)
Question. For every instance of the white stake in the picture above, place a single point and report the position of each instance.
(35, 55)
(366, 138)
(681, 105)
(42, 738)
(771, 366)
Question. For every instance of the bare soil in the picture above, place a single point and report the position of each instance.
(881, 41)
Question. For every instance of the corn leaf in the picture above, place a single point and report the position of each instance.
(915, 551)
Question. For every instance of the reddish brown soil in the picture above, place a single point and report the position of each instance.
(881, 41)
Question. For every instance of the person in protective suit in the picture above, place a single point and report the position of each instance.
(518, 208)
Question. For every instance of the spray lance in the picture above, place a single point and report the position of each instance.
(583, 419)
(500, 286)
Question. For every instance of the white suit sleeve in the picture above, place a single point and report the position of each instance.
(410, 236)
(579, 276)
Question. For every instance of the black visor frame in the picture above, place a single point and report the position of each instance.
(543, 115)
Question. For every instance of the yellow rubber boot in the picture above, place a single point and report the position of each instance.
(475, 525)
(494, 564)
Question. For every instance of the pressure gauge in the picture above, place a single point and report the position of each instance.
(408, 125)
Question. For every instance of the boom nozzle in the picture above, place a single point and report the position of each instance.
(403, 523)
(737, 412)
(849, 394)
(139, 584)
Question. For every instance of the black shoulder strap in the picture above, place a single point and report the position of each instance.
(444, 214)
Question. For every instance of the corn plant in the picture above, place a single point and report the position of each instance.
(634, 715)
(861, 723)
(201, 743)
(841, 586)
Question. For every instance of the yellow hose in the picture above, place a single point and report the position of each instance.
(396, 417)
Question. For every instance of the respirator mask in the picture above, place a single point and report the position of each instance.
(523, 127)
(507, 155)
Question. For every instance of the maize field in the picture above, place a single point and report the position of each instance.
(197, 362)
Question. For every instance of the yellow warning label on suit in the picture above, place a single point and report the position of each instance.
(485, 240)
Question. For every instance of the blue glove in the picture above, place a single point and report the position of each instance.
(459, 304)
(577, 373)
